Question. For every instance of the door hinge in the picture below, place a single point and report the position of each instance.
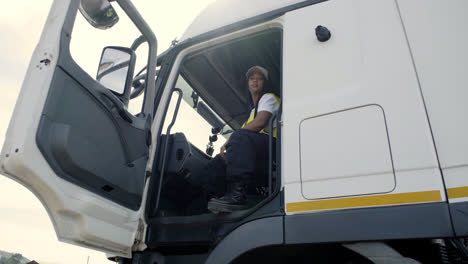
(139, 243)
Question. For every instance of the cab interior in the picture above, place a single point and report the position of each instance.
(210, 100)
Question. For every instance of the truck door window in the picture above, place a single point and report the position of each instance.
(88, 42)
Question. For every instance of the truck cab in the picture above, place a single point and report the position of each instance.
(368, 161)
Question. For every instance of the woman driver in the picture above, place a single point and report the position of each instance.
(245, 155)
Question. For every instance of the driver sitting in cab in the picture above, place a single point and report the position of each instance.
(245, 155)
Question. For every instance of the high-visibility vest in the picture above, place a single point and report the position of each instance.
(266, 129)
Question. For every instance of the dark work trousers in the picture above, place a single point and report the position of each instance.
(246, 161)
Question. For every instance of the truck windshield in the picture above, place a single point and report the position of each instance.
(196, 119)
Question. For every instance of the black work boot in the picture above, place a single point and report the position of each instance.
(233, 200)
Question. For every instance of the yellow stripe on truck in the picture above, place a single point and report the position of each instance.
(457, 192)
(362, 201)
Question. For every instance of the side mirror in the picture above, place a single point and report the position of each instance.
(99, 13)
(116, 69)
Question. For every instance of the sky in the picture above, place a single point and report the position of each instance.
(25, 227)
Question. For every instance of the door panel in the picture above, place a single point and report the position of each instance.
(73, 144)
(88, 143)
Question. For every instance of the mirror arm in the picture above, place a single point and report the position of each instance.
(139, 86)
(137, 42)
(140, 23)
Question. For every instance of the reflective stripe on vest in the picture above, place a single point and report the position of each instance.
(265, 130)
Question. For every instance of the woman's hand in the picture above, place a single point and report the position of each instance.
(222, 150)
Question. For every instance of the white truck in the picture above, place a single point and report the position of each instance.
(371, 160)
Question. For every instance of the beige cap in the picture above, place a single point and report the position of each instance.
(258, 69)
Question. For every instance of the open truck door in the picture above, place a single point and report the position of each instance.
(72, 142)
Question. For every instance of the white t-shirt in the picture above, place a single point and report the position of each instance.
(268, 103)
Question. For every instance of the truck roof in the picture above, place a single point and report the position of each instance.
(225, 12)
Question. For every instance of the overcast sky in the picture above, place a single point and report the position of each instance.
(24, 225)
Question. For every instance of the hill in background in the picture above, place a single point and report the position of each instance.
(12, 258)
